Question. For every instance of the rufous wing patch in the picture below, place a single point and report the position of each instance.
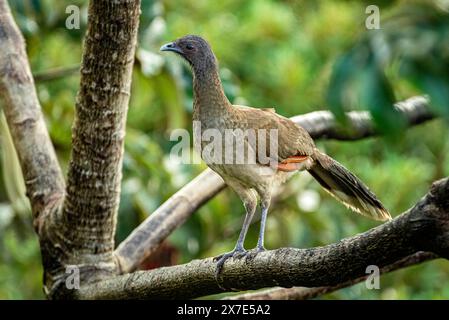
(292, 163)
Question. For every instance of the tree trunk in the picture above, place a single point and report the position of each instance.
(78, 229)
(87, 224)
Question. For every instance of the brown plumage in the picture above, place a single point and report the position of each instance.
(295, 148)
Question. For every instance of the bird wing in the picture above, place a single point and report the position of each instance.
(292, 139)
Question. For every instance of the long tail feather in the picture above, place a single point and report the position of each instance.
(347, 188)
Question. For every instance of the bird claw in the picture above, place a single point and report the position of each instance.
(221, 259)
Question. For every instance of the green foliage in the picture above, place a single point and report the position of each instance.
(297, 56)
(20, 267)
(412, 47)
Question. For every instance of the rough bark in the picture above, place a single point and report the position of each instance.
(94, 177)
(303, 293)
(175, 211)
(425, 227)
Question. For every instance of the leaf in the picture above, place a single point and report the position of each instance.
(341, 78)
(377, 96)
(438, 90)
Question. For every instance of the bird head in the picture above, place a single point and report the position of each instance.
(194, 49)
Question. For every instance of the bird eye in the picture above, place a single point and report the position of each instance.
(189, 47)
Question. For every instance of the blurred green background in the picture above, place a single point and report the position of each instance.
(298, 56)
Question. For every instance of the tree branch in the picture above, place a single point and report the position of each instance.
(175, 211)
(322, 124)
(425, 227)
(56, 73)
(42, 174)
(161, 223)
(303, 293)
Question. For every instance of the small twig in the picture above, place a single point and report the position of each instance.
(56, 73)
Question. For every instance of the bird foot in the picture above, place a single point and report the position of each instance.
(253, 253)
(221, 259)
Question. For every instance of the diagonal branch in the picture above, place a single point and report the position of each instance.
(175, 211)
(161, 223)
(425, 227)
(56, 73)
(42, 174)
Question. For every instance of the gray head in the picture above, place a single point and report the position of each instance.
(195, 50)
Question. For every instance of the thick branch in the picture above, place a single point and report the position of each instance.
(303, 293)
(87, 225)
(176, 210)
(42, 174)
(425, 227)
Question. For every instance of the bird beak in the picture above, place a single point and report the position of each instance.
(171, 46)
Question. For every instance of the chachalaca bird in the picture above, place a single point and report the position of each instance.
(295, 149)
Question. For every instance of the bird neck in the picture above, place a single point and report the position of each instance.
(209, 97)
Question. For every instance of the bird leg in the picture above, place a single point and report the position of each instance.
(239, 251)
(263, 220)
(265, 204)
